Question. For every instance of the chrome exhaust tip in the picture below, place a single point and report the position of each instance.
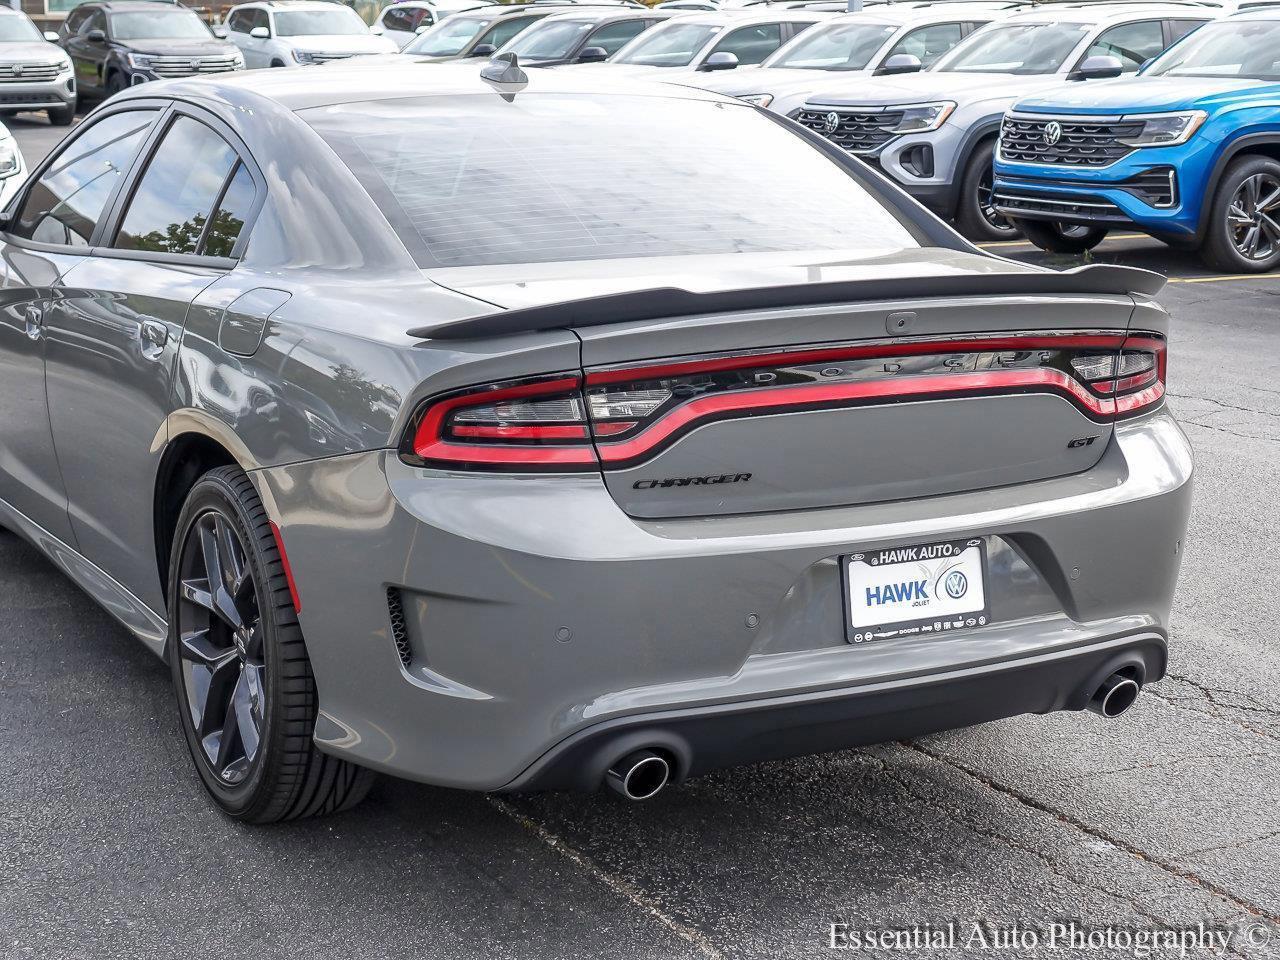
(1114, 697)
(639, 776)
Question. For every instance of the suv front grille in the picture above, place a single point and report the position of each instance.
(190, 66)
(1079, 142)
(27, 72)
(852, 130)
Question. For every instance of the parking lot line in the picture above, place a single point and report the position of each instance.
(1223, 279)
(1028, 243)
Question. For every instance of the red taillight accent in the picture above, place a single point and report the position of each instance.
(288, 570)
(624, 416)
(539, 424)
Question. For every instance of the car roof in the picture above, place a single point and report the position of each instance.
(1102, 13)
(941, 12)
(1264, 13)
(720, 18)
(280, 4)
(396, 78)
(604, 14)
(133, 5)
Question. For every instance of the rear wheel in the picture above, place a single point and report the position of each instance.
(1243, 232)
(1061, 237)
(61, 116)
(976, 215)
(246, 694)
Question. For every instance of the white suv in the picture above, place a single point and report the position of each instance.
(290, 33)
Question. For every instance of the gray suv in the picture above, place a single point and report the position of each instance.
(583, 470)
(935, 132)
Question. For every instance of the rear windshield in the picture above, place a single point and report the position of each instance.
(1245, 49)
(476, 180)
(1023, 48)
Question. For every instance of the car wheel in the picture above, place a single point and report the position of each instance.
(977, 217)
(277, 63)
(1061, 237)
(246, 694)
(115, 84)
(1243, 234)
(61, 116)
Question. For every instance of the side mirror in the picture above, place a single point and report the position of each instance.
(219, 31)
(720, 60)
(260, 33)
(483, 50)
(51, 36)
(900, 63)
(593, 55)
(1097, 68)
(96, 36)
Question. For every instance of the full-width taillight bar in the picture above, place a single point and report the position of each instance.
(621, 416)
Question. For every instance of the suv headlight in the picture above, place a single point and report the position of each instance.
(925, 117)
(64, 66)
(1165, 129)
(237, 60)
(140, 61)
(759, 99)
(10, 160)
(304, 56)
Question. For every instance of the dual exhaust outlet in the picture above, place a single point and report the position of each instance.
(643, 774)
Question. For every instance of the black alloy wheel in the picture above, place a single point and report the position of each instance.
(246, 695)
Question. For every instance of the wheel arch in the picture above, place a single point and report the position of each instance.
(190, 445)
(1262, 144)
(974, 138)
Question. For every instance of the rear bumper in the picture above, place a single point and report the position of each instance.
(708, 738)
(545, 629)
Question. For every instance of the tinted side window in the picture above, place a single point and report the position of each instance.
(929, 43)
(1180, 28)
(238, 22)
(504, 30)
(260, 19)
(612, 37)
(229, 220)
(75, 20)
(396, 20)
(752, 44)
(1131, 43)
(97, 21)
(65, 204)
(178, 190)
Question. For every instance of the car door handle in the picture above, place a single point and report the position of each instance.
(154, 335)
(35, 321)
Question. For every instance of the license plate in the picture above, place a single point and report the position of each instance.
(924, 589)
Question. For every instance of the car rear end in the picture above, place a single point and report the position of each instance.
(749, 482)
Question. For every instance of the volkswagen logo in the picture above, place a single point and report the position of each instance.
(831, 123)
(195, 64)
(17, 69)
(957, 584)
(1052, 132)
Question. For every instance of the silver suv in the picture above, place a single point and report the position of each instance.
(34, 73)
(884, 40)
(935, 132)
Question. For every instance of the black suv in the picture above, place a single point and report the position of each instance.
(115, 44)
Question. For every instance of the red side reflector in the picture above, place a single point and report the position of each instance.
(288, 570)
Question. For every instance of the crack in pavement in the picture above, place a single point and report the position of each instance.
(1186, 422)
(1223, 404)
(624, 888)
(1236, 845)
(1217, 707)
(1173, 869)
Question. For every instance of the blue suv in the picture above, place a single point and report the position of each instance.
(1188, 151)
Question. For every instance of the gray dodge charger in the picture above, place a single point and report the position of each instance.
(523, 432)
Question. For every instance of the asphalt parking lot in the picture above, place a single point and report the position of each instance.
(1165, 818)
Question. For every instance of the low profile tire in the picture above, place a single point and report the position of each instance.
(1243, 232)
(61, 116)
(246, 694)
(1061, 237)
(976, 216)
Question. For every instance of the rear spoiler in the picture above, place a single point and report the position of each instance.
(666, 302)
